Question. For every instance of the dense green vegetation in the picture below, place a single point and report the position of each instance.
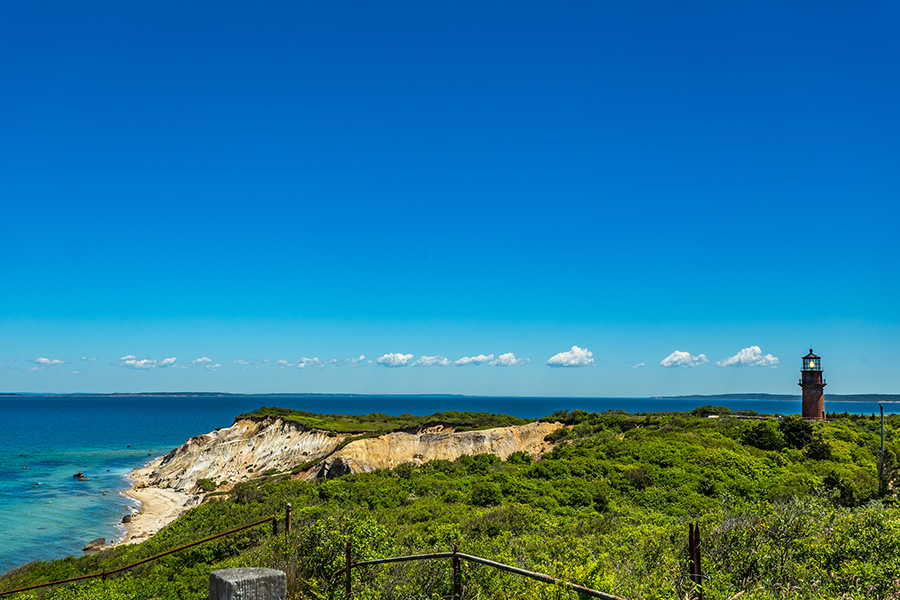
(787, 509)
(380, 423)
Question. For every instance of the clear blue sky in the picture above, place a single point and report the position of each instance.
(647, 182)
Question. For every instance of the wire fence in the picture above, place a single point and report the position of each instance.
(455, 556)
(104, 574)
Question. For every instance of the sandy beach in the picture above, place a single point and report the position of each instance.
(159, 507)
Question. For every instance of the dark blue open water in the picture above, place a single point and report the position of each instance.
(47, 513)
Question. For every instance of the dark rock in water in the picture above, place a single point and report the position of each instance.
(95, 545)
(126, 519)
(78, 474)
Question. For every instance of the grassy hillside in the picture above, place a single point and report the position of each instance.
(380, 423)
(787, 510)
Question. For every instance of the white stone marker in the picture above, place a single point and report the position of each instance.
(247, 583)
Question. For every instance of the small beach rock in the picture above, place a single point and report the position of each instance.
(95, 545)
(126, 519)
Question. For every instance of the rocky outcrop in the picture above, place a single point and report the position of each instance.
(239, 452)
(250, 447)
(393, 449)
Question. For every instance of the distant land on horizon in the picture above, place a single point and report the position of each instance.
(699, 397)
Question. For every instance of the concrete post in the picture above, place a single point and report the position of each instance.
(247, 583)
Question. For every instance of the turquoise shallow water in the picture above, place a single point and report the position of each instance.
(46, 513)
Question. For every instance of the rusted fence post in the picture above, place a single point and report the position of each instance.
(349, 555)
(696, 573)
(457, 574)
(287, 519)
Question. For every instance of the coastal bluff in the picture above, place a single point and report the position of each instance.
(252, 447)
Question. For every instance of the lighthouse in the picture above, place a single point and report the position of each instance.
(813, 385)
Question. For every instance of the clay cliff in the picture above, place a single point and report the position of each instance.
(393, 449)
(250, 448)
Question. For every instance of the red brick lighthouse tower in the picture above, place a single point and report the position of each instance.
(813, 385)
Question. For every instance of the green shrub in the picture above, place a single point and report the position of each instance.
(796, 432)
(486, 493)
(764, 435)
(817, 449)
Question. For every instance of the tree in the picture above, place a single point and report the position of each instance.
(797, 433)
(765, 436)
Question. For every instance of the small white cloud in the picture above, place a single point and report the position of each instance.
(180, 367)
(146, 363)
(89, 359)
(202, 360)
(466, 361)
(282, 363)
(576, 357)
(432, 361)
(213, 367)
(48, 361)
(638, 366)
(509, 360)
(241, 362)
(167, 361)
(354, 362)
(309, 362)
(683, 359)
(128, 357)
(749, 357)
(395, 360)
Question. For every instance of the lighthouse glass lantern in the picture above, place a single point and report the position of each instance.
(811, 362)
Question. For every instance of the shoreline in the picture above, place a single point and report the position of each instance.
(158, 506)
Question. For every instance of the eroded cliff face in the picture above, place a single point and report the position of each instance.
(237, 453)
(393, 449)
(249, 448)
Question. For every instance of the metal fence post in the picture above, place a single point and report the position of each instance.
(696, 574)
(287, 519)
(349, 555)
(457, 575)
(882, 484)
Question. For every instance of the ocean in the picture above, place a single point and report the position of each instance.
(47, 513)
